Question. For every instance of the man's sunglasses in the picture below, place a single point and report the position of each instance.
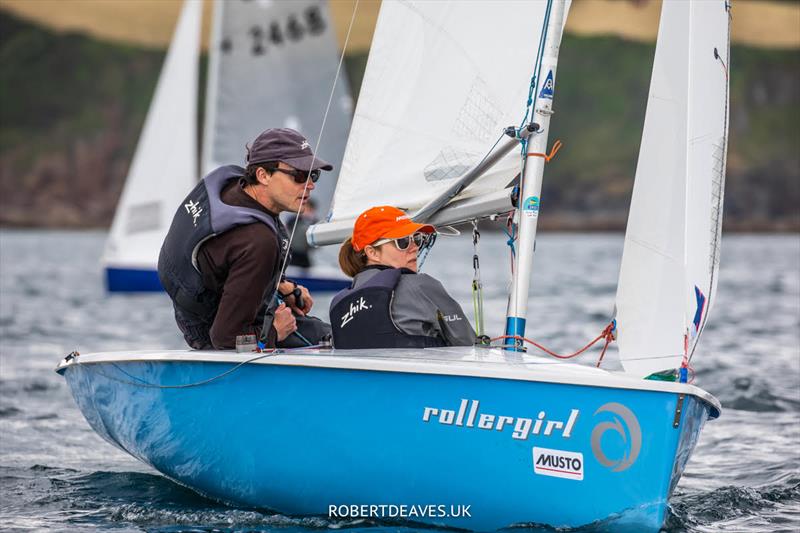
(299, 176)
(403, 243)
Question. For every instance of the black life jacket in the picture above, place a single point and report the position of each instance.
(362, 317)
(201, 216)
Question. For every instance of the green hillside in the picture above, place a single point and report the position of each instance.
(600, 105)
(71, 108)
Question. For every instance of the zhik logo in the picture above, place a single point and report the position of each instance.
(355, 307)
(628, 429)
(194, 209)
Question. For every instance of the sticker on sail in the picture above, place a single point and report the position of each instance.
(530, 207)
(548, 87)
(558, 463)
(698, 313)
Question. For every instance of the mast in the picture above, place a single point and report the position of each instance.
(527, 216)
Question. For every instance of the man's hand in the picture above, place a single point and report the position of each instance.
(287, 287)
(284, 322)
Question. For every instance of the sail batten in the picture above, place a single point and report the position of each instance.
(671, 255)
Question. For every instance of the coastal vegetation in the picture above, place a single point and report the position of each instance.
(72, 106)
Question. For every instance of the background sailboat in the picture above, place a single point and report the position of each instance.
(522, 439)
(164, 166)
(271, 64)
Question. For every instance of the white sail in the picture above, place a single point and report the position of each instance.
(671, 256)
(164, 167)
(272, 65)
(443, 80)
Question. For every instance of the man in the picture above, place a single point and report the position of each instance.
(221, 260)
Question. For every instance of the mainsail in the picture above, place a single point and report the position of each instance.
(164, 166)
(272, 65)
(671, 256)
(442, 82)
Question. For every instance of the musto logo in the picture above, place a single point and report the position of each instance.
(558, 463)
(626, 427)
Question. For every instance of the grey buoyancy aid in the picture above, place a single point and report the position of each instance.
(201, 216)
(362, 317)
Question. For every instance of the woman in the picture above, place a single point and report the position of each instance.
(390, 305)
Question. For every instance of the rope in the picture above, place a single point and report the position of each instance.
(321, 130)
(553, 151)
(141, 383)
(607, 334)
(477, 286)
(511, 231)
(683, 372)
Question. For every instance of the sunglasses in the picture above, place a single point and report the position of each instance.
(404, 242)
(300, 176)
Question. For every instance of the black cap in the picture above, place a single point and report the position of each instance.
(287, 145)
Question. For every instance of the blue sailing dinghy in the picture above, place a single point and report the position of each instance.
(301, 431)
(477, 437)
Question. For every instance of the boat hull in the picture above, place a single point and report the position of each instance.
(132, 280)
(146, 280)
(299, 439)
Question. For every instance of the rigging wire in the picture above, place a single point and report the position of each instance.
(321, 131)
(532, 96)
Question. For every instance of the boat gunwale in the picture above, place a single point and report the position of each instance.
(545, 371)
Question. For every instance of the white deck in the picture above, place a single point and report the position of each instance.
(454, 361)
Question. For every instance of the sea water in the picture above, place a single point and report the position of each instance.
(57, 474)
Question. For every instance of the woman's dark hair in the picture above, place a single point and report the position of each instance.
(250, 171)
(350, 261)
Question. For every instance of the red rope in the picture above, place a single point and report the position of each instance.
(607, 334)
(553, 151)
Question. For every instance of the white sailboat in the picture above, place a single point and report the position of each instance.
(516, 437)
(164, 166)
(271, 64)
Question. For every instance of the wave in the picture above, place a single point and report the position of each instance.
(731, 507)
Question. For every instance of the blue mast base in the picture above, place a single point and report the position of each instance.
(515, 327)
